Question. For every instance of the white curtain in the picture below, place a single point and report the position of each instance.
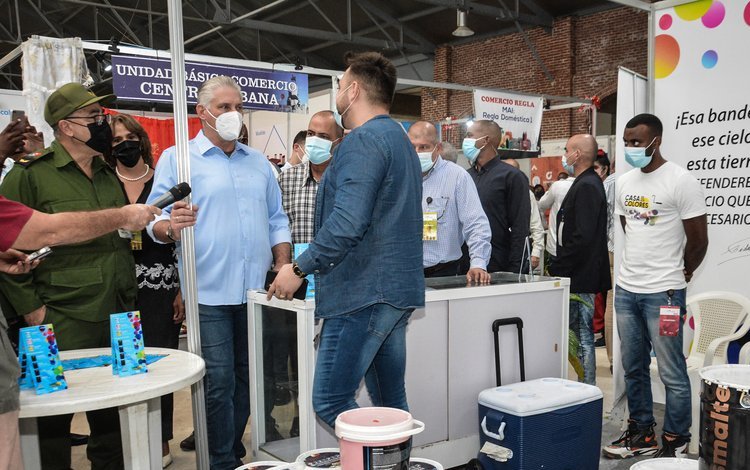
(49, 63)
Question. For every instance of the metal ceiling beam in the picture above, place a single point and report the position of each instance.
(326, 35)
(386, 16)
(536, 9)
(371, 29)
(119, 18)
(73, 14)
(375, 21)
(130, 9)
(530, 45)
(45, 19)
(324, 16)
(222, 36)
(282, 41)
(640, 4)
(486, 10)
(233, 21)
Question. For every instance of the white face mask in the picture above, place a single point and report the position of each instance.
(228, 125)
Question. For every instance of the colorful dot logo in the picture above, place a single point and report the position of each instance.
(747, 14)
(665, 22)
(714, 16)
(667, 55)
(709, 59)
(694, 10)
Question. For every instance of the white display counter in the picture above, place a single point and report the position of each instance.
(450, 359)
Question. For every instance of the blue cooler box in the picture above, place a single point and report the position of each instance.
(551, 424)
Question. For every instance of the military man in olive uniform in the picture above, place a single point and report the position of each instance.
(78, 286)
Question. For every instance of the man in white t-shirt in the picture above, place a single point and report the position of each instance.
(662, 209)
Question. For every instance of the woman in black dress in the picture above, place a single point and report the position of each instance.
(159, 299)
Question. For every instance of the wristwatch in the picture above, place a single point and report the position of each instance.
(297, 271)
(170, 233)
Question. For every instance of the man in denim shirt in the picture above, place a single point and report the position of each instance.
(367, 251)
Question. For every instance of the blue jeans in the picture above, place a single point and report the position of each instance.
(224, 348)
(581, 322)
(369, 343)
(638, 326)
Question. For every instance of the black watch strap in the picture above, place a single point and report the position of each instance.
(297, 271)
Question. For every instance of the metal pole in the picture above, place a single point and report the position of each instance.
(651, 65)
(188, 281)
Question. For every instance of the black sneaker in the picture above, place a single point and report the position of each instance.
(188, 443)
(672, 446)
(632, 443)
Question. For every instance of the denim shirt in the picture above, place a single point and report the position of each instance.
(368, 224)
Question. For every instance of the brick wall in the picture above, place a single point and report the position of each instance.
(581, 52)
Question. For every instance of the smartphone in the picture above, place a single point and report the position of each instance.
(301, 292)
(40, 254)
(17, 114)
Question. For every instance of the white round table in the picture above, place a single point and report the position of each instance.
(136, 396)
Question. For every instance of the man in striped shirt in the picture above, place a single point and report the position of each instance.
(452, 211)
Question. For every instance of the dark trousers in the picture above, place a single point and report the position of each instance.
(104, 448)
(451, 268)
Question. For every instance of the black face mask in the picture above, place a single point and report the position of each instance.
(101, 137)
(127, 152)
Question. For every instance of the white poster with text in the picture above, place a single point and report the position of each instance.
(701, 95)
(519, 116)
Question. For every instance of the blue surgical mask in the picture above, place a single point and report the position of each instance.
(470, 150)
(570, 169)
(636, 156)
(318, 150)
(339, 117)
(425, 161)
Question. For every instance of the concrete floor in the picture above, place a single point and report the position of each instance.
(183, 424)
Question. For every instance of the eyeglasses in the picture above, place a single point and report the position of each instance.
(99, 119)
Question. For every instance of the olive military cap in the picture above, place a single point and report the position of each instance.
(68, 98)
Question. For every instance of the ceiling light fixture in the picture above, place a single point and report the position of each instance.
(461, 29)
(103, 61)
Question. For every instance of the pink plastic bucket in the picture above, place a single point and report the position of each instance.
(376, 438)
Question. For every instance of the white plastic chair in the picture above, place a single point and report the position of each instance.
(745, 354)
(720, 317)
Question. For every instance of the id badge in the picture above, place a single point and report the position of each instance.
(136, 243)
(669, 320)
(429, 226)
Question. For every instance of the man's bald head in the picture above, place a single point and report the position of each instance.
(423, 130)
(586, 145)
(323, 124)
(512, 162)
(489, 128)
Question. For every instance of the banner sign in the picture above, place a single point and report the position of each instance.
(519, 117)
(701, 69)
(147, 79)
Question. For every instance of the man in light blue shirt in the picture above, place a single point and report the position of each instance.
(242, 231)
(451, 205)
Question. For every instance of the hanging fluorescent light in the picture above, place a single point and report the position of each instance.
(461, 29)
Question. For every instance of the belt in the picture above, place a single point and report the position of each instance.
(440, 266)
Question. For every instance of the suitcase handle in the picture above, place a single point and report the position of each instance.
(495, 329)
(500, 435)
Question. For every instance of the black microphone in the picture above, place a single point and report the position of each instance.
(177, 193)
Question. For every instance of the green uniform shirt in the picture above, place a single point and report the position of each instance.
(87, 281)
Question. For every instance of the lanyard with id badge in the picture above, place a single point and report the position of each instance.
(669, 317)
(431, 216)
